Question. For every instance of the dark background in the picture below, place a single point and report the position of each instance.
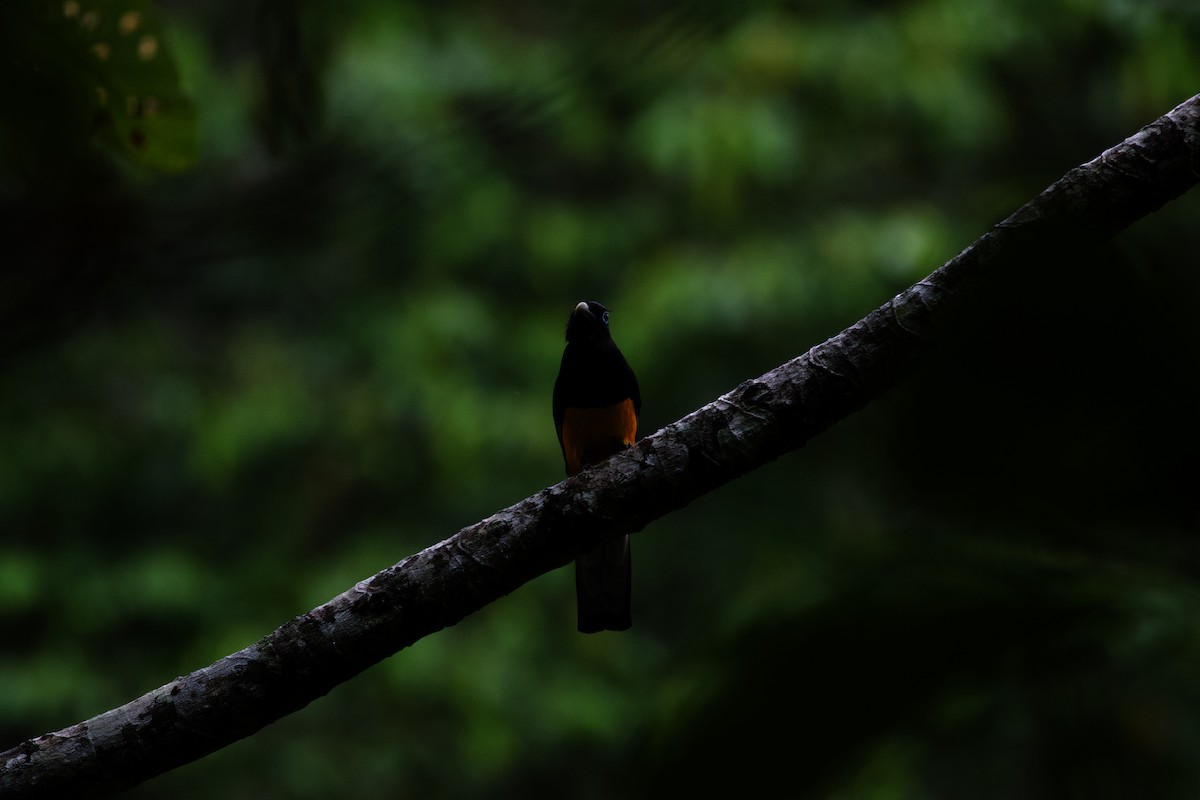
(282, 302)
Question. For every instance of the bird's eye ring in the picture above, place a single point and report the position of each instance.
(604, 317)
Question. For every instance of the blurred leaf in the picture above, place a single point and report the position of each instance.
(112, 73)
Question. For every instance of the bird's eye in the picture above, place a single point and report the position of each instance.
(604, 317)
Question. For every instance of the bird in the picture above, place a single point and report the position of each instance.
(596, 407)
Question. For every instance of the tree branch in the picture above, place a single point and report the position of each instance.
(755, 423)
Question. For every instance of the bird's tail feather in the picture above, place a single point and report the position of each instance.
(603, 583)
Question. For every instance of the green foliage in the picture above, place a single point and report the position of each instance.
(228, 394)
(104, 67)
(139, 106)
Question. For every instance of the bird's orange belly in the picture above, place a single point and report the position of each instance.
(590, 435)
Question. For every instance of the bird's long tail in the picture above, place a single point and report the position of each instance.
(603, 583)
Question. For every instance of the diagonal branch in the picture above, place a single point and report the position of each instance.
(755, 423)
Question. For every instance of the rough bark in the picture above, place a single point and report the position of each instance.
(755, 423)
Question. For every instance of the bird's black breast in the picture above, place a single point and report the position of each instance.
(592, 375)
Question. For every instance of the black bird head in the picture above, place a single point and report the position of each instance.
(588, 323)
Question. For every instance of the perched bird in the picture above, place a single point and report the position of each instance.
(596, 407)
